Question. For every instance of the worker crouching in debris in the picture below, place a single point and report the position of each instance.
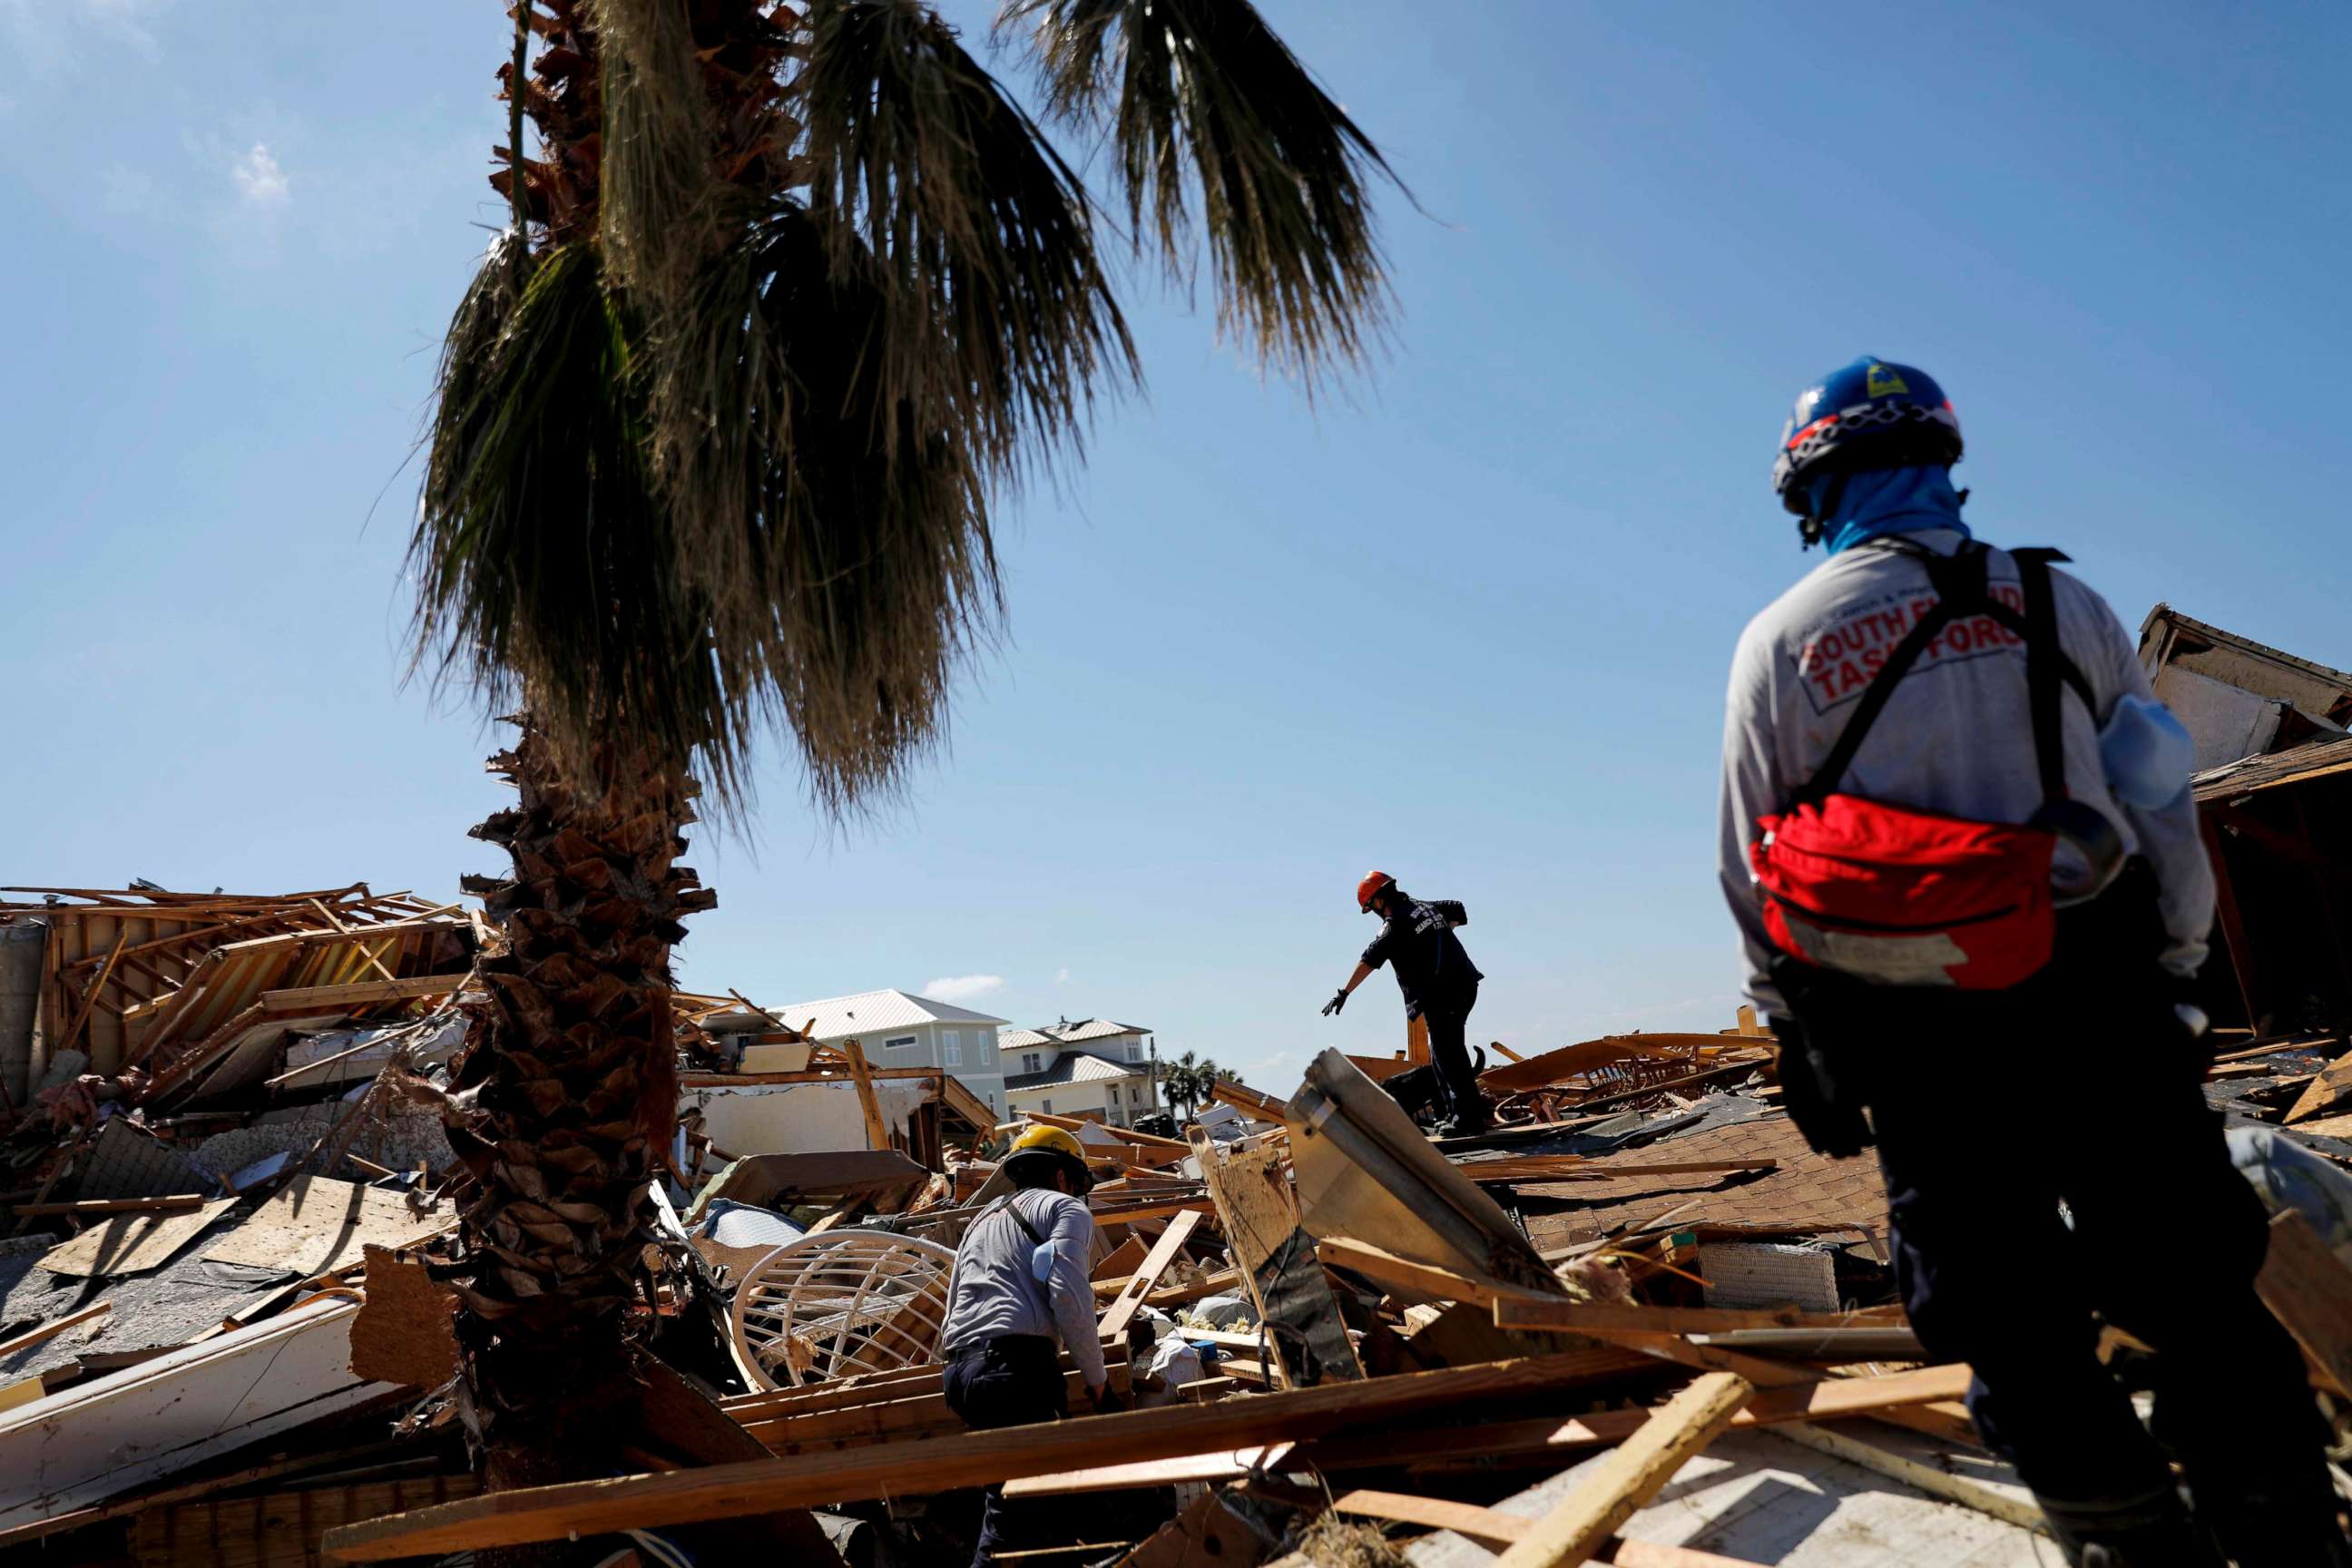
(1956, 835)
(1438, 981)
(1020, 1281)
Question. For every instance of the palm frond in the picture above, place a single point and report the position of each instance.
(996, 322)
(1203, 92)
(872, 550)
(546, 571)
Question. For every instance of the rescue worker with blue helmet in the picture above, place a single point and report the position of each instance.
(1954, 893)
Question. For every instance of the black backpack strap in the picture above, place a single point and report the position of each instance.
(1959, 581)
(2042, 658)
(1013, 1209)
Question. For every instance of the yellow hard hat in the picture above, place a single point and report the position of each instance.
(1040, 1140)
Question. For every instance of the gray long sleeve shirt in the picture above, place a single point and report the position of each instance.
(1954, 736)
(996, 1290)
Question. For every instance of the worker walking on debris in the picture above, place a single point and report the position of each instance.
(1439, 983)
(1958, 837)
(1020, 1281)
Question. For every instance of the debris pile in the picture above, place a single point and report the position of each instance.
(1637, 1320)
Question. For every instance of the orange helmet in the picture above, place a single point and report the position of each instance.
(1374, 884)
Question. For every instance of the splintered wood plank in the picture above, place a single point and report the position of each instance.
(1631, 1474)
(2333, 1083)
(1439, 1514)
(2309, 1291)
(949, 1463)
(1425, 1281)
(1138, 1285)
(1277, 1262)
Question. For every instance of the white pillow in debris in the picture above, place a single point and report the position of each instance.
(2289, 1175)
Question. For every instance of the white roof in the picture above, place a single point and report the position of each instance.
(874, 1012)
(1070, 1034)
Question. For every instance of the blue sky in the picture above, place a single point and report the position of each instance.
(1469, 625)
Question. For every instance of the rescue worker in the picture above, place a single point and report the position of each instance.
(1965, 894)
(1021, 1282)
(1439, 983)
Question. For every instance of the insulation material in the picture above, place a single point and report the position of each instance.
(1768, 1274)
(403, 1332)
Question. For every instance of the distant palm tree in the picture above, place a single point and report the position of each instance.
(1188, 1081)
(791, 299)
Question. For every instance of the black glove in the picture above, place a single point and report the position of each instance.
(1826, 1110)
(1338, 1000)
(1106, 1400)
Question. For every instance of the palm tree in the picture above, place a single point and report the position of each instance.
(790, 301)
(1188, 1082)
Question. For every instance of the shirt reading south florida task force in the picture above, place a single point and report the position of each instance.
(1418, 942)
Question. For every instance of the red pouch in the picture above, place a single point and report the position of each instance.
(1898, 897)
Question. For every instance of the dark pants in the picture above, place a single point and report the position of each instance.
(1010, 1382)
(2081, 1088)
(1458, 1082)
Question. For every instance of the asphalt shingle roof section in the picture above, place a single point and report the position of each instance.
(1808, 1192)
(872, 1012)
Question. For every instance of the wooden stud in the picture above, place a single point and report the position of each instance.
(946, 1463)
(1631, 1475)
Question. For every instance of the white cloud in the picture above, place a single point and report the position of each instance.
(260, 177)
(962, 987)
(1061, 976)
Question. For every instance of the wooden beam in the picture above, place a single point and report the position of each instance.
(1562, 1316)
(1438, 1513)
(1249, 1101)
(1156, 1262)
(1631, 1475)
(1576, 1167)
(1386, 1268)
(2309, 1291)
(52, 1329)
(312, 999)
(2332, 1083)
(946, 1464)
(878, 1131)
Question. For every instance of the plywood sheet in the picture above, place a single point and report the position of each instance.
(319, 1224)
(131, 1243)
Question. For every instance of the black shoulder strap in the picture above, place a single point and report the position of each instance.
(1006, 1204)
(1959, 581)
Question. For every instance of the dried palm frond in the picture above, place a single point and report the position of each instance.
(659, 187)
(1204, 88)
(545, 567)
(995, 319)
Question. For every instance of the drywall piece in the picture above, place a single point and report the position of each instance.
(96, 1440)
(1768, 1274)
(1365, 1172)
(318, 1225)
(131, 1243)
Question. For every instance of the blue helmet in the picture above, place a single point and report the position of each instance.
(1871, 413)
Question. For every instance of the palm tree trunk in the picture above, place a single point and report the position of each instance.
(565, 1098)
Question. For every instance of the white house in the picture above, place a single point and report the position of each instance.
(1093, 1067)
(899, 1029)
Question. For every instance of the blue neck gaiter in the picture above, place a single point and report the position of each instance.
(1861, 504)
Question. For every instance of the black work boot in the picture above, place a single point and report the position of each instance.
(2149, 1530)
(2260, 1530)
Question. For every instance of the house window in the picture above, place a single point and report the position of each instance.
(951, 1048)
(1029, 1064)
(901, 1043)
(1134, 1095)
(1134, 1051)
